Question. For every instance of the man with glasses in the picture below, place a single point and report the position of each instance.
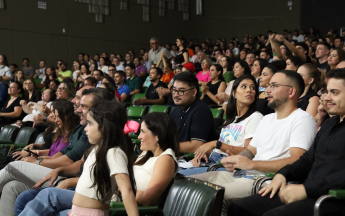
(156, 52)
(280, 139)
(112, 70)
(193, 117)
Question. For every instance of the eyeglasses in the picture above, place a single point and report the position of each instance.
(154, 43)
(112, 70)
(275, 85)
(61, 88)
(179, 92)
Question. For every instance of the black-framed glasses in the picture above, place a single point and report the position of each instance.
(275, 85)
(179, 92)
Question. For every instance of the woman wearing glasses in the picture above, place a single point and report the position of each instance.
(66, 90)
(31, 93)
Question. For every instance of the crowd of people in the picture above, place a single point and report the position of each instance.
(283, 100)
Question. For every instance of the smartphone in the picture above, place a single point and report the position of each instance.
(27, 150)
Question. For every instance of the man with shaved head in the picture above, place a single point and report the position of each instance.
(280, 139)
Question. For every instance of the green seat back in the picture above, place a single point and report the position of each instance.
(9, 132)
(217, 112)
(26, 135)
(38, 81)
(192, 197)
(136, 112)
(158, 108)
(136, 143)
(39, 138)
(136, 96)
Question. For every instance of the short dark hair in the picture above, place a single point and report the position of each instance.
(99, 94)
(296, 78)
(110, 80)
(266, 51)
(131, 65)
(112, 65)
(325, 44)
(25, 59)
(122, 73)
(304, 45)
(338, 73)
(158, 70)
(296, 60)
(14, 65)
(100, 72)
(188, 78)
(92, 80)
(341, 39)
(81, 54)
(245, 65)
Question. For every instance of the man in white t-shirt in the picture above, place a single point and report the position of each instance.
(280, 139)
(117, 63)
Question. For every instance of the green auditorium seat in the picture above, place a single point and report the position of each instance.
(217, 112)
(26, 135)
(136, 113)
(136, 96)
(8, 134)
(159, 108)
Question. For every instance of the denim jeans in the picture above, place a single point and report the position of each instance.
(24, 198)
(50, 201)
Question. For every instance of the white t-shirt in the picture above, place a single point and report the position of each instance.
(236, 51)
(299, 38)
(30, 117)
(117, 162)
(104, 69)
(74, 75)
(274, 138)
(236, 133)
(143, 173)
(121, 68)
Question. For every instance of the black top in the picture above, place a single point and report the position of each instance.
(321, 168)
(126, 64)
(213, 88)
(195, 123)
(308, 59)
(322, 66)
(86, 154)
(304, 101)
(151, 93)
(15, 103)
(48, 140)
(261, 106)
(179, 59)
(35, 97)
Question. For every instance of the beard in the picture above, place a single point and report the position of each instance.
(276, 103)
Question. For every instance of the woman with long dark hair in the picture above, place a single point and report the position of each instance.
(48, 77)
(240, 125)
(182, 55)
(213, 87)
(227, 64)
(257, 68)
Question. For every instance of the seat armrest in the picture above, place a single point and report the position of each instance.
(339, 194)
(6, 142)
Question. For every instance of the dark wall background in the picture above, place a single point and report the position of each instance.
(26, 31)
(322, 15)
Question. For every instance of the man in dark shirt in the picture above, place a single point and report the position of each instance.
(322, 52)
(319, 170)
(193, 117)
(151, 96)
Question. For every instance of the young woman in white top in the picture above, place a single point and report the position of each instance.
(157, 165)
(240, 124)
(109, 166)
(103, 65)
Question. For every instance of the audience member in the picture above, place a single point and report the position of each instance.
(112, 70)
(227, 64)
(133, 81)
(336, 56)
(204, 75)
(122, 88)
(98, 75)
(63, 73)
(168, 74)
(31, 93)
(116, 61)
(257, 68)
(193, 118)
(5, 72)
(103, 65)
(293, 63)
(90, 81)
(156, 52)
(151, 96)
(146, 61)
(19, 76)
(54, 84)
(322, 52)
(339, 42)
(14, 69)
(82, 75)
(76, 67)
(213, 87)
(111, 89)
(28, 71)
(12, 110)
(49, 75)
(182, 55)
(140, 70)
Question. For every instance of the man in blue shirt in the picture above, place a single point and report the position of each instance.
(122, 88)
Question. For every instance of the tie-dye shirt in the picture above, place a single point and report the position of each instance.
(236, 133)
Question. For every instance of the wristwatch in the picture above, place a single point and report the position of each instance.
(38, 161)
(218, 144)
